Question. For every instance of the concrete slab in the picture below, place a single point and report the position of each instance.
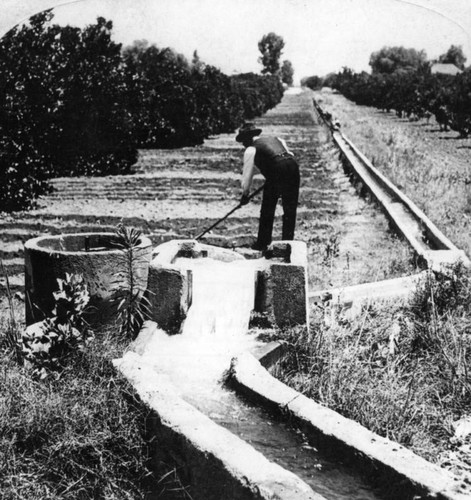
(282, 288)
(349, 300)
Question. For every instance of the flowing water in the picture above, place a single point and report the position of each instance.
(196, 362)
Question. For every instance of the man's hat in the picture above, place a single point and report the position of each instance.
(247, 130)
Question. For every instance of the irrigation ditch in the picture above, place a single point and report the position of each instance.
(388, 469)
(175, 194)
(432, 248)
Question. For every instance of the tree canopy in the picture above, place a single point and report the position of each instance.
(271, 46)
(73, 102)
(287, 72)
(454, 55)
(389, 60)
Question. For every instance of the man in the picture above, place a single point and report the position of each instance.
(271, 156)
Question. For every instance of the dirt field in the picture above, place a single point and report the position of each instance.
(179, 193)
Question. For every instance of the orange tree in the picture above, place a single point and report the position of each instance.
(62, 111)
(74, 103)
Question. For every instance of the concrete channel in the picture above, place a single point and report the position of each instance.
(429, 244)
(215, 437)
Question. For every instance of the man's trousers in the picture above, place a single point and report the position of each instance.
(282, 181)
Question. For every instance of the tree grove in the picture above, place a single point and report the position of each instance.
(75, 102)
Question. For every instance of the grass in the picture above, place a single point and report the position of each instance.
(402, 372)
(81, 435)
(353, 243)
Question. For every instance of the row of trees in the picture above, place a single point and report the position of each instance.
(72, 101)
(401, 79)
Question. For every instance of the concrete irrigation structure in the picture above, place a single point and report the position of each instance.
(401, 473)
(281, 285)
(97, 257)
(219, 464)
(404, 474)
(201, 446)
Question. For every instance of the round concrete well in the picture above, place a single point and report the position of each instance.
(95, 256)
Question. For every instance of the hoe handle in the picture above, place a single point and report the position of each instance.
(228, 213)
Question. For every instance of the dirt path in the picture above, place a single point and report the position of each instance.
(178, 193)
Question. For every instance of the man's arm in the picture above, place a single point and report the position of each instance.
(248, 170)
(285, 146)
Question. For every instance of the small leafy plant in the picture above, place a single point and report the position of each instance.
(133, 306)
(47, 346)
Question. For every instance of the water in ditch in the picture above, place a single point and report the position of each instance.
(196, 362)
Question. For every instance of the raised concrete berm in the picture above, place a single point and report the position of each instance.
(427, 241)
(398, 471)
(95, 256)
(281, 284)
(425, 238)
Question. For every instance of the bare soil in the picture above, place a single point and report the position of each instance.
(178, 193)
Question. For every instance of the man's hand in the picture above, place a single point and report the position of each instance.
(244, 199)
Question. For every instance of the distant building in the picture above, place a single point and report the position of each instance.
(445, 69)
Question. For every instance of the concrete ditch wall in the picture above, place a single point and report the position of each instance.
(429, 243)
(217, 464)
(349, 301)
(426, 239)
(281, 284)
(397, 471)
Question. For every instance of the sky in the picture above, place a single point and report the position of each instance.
(320, 36)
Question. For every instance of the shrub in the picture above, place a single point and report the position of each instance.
(257, 93)
(412, 93)
(132, 304)
(73, 103)
(174, 103)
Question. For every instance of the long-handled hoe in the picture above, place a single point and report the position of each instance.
(251, 195)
